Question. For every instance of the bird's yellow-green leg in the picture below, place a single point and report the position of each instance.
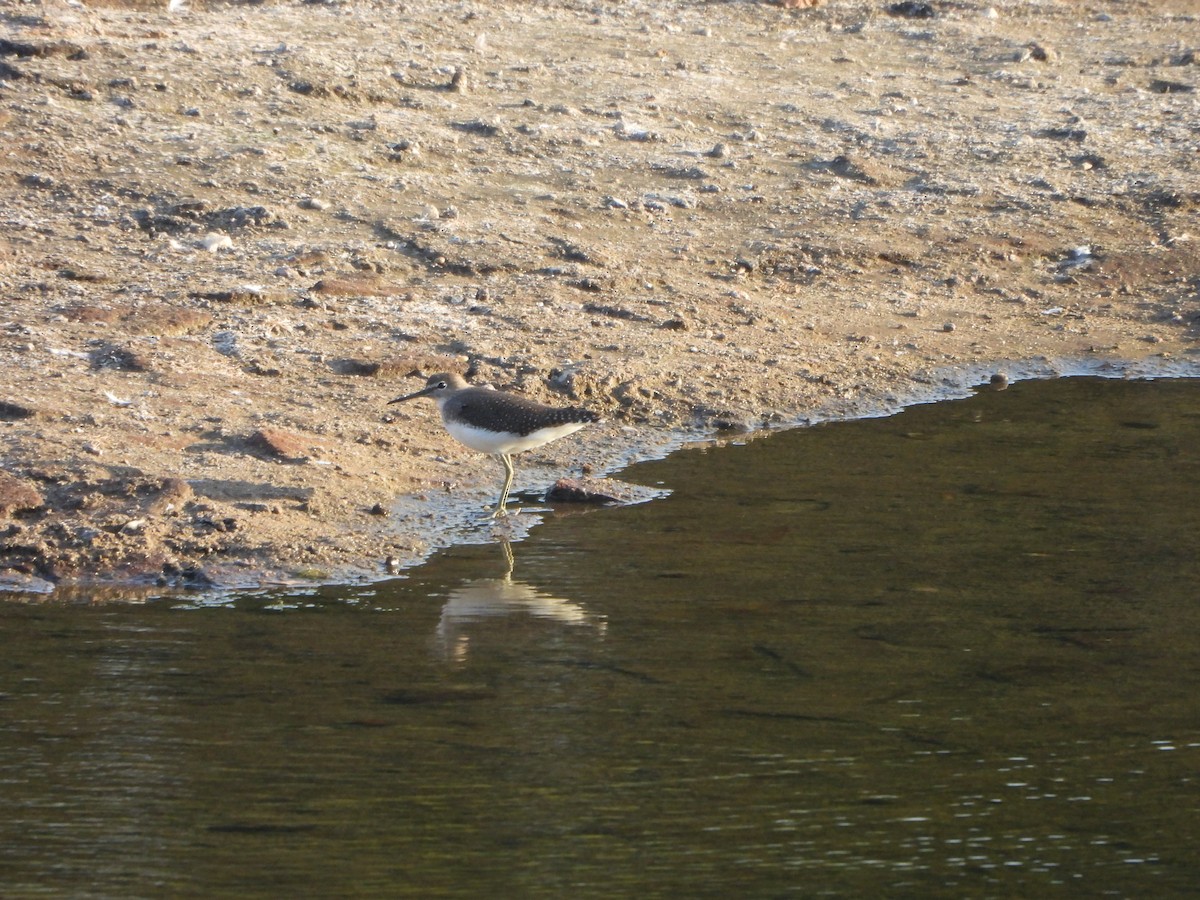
(508, 480)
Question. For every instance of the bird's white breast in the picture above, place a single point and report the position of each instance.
(496, 442)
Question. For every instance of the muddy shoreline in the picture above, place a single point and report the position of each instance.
(233, 233)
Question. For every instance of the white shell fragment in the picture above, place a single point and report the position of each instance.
(214, 242)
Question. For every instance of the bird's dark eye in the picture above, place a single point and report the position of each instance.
(441, 384)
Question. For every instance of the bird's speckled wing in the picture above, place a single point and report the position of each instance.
(508, 413)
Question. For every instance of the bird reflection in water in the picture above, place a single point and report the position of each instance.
(487, 598)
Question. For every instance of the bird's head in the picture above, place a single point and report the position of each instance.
(437, 386)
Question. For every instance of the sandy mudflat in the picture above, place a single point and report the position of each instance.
(232, 233)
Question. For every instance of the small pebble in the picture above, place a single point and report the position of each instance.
(1043, 52)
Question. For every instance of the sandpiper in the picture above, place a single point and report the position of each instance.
(496, 422)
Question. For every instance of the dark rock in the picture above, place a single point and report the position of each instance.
(308, 89)
(574, 253)
(1161, 86)
(591, 285)
(236, 217)
(11, 410)
(112, 356)
(691, 173)
(192, 215)
(188, 209)
(82, 275)
(479, 127)
(1078, 135)
(156, 223)
(196, 577)
(264, 369)
(614, 312)
(1042, 53)
(909, 9)
(1171, 199)
(24, 50)
(589, 490)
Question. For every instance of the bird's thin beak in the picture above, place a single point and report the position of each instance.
(424, 392)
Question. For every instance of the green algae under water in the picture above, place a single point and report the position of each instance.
(951, 652)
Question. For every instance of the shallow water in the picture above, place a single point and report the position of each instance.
(952, 652)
